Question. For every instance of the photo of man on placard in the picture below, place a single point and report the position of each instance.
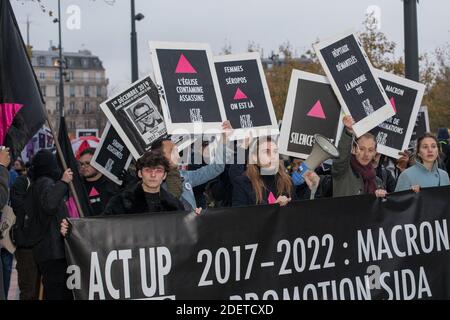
(145, 116)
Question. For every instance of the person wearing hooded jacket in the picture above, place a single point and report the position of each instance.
(50, 188)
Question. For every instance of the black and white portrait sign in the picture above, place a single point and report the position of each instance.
(352, 77)
(246, 95)
(311, 108)
(405, 96)
(190, 97)
(135, 115)
(112, 156)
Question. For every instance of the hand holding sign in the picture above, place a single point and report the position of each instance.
(348, 123)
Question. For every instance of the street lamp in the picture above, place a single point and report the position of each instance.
(61, 83)
(411, 40)
(134, 52)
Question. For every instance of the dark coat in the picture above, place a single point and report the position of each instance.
(49, 196)
(106, 188)
(133, 201)
(244, 195)
(4, 186)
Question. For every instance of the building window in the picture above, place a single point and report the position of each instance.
(43, 90)
(85, 63)
(72, 107)
(99, 91)
(86, 76)
(72, 91)
(86, 91)
(86, 124)
(42, 75)
(56, 75)
(57, 90)
(87, 107)
(41, 61)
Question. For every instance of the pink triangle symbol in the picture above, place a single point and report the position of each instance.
(393, 104)
(271, 199)
(240, 95)
(7, 113)
(94, 192)
(317, 111)
(184, 66)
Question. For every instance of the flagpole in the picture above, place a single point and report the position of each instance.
(64, 164)
(61, 82)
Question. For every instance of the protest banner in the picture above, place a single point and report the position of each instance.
(421, 127)
(111, 157)
(311, 108)
(86, 133)
(246, 95)
(353, 80)
(135, 115)
(190, 94)
(349, 248)
(405, 96)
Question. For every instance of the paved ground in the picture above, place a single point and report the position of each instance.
(14, 291)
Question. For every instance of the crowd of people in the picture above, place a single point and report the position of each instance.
(158, 183)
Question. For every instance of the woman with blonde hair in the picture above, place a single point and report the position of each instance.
(425, 173)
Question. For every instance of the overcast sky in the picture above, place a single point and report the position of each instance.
(105, 29)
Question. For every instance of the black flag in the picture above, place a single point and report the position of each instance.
(22, 111)
(68, 155)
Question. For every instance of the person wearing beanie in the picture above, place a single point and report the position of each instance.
(49, 189)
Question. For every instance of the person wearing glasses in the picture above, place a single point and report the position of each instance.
(99, 188)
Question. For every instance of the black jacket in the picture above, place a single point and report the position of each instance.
(244, 195)
(49, 196)
(106, 189)
(4, 186)
(132, 201)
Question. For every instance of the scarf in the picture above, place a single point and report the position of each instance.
(367, 173)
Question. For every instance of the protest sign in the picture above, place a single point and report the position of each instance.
(352, 77)
(311, 108)
(135, 115)
(246, 95)
(405, 96)
(111, 156)
(190, 94)
(421, 127)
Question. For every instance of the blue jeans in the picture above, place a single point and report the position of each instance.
(7, 261)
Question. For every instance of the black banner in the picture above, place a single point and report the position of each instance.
(344, 248)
